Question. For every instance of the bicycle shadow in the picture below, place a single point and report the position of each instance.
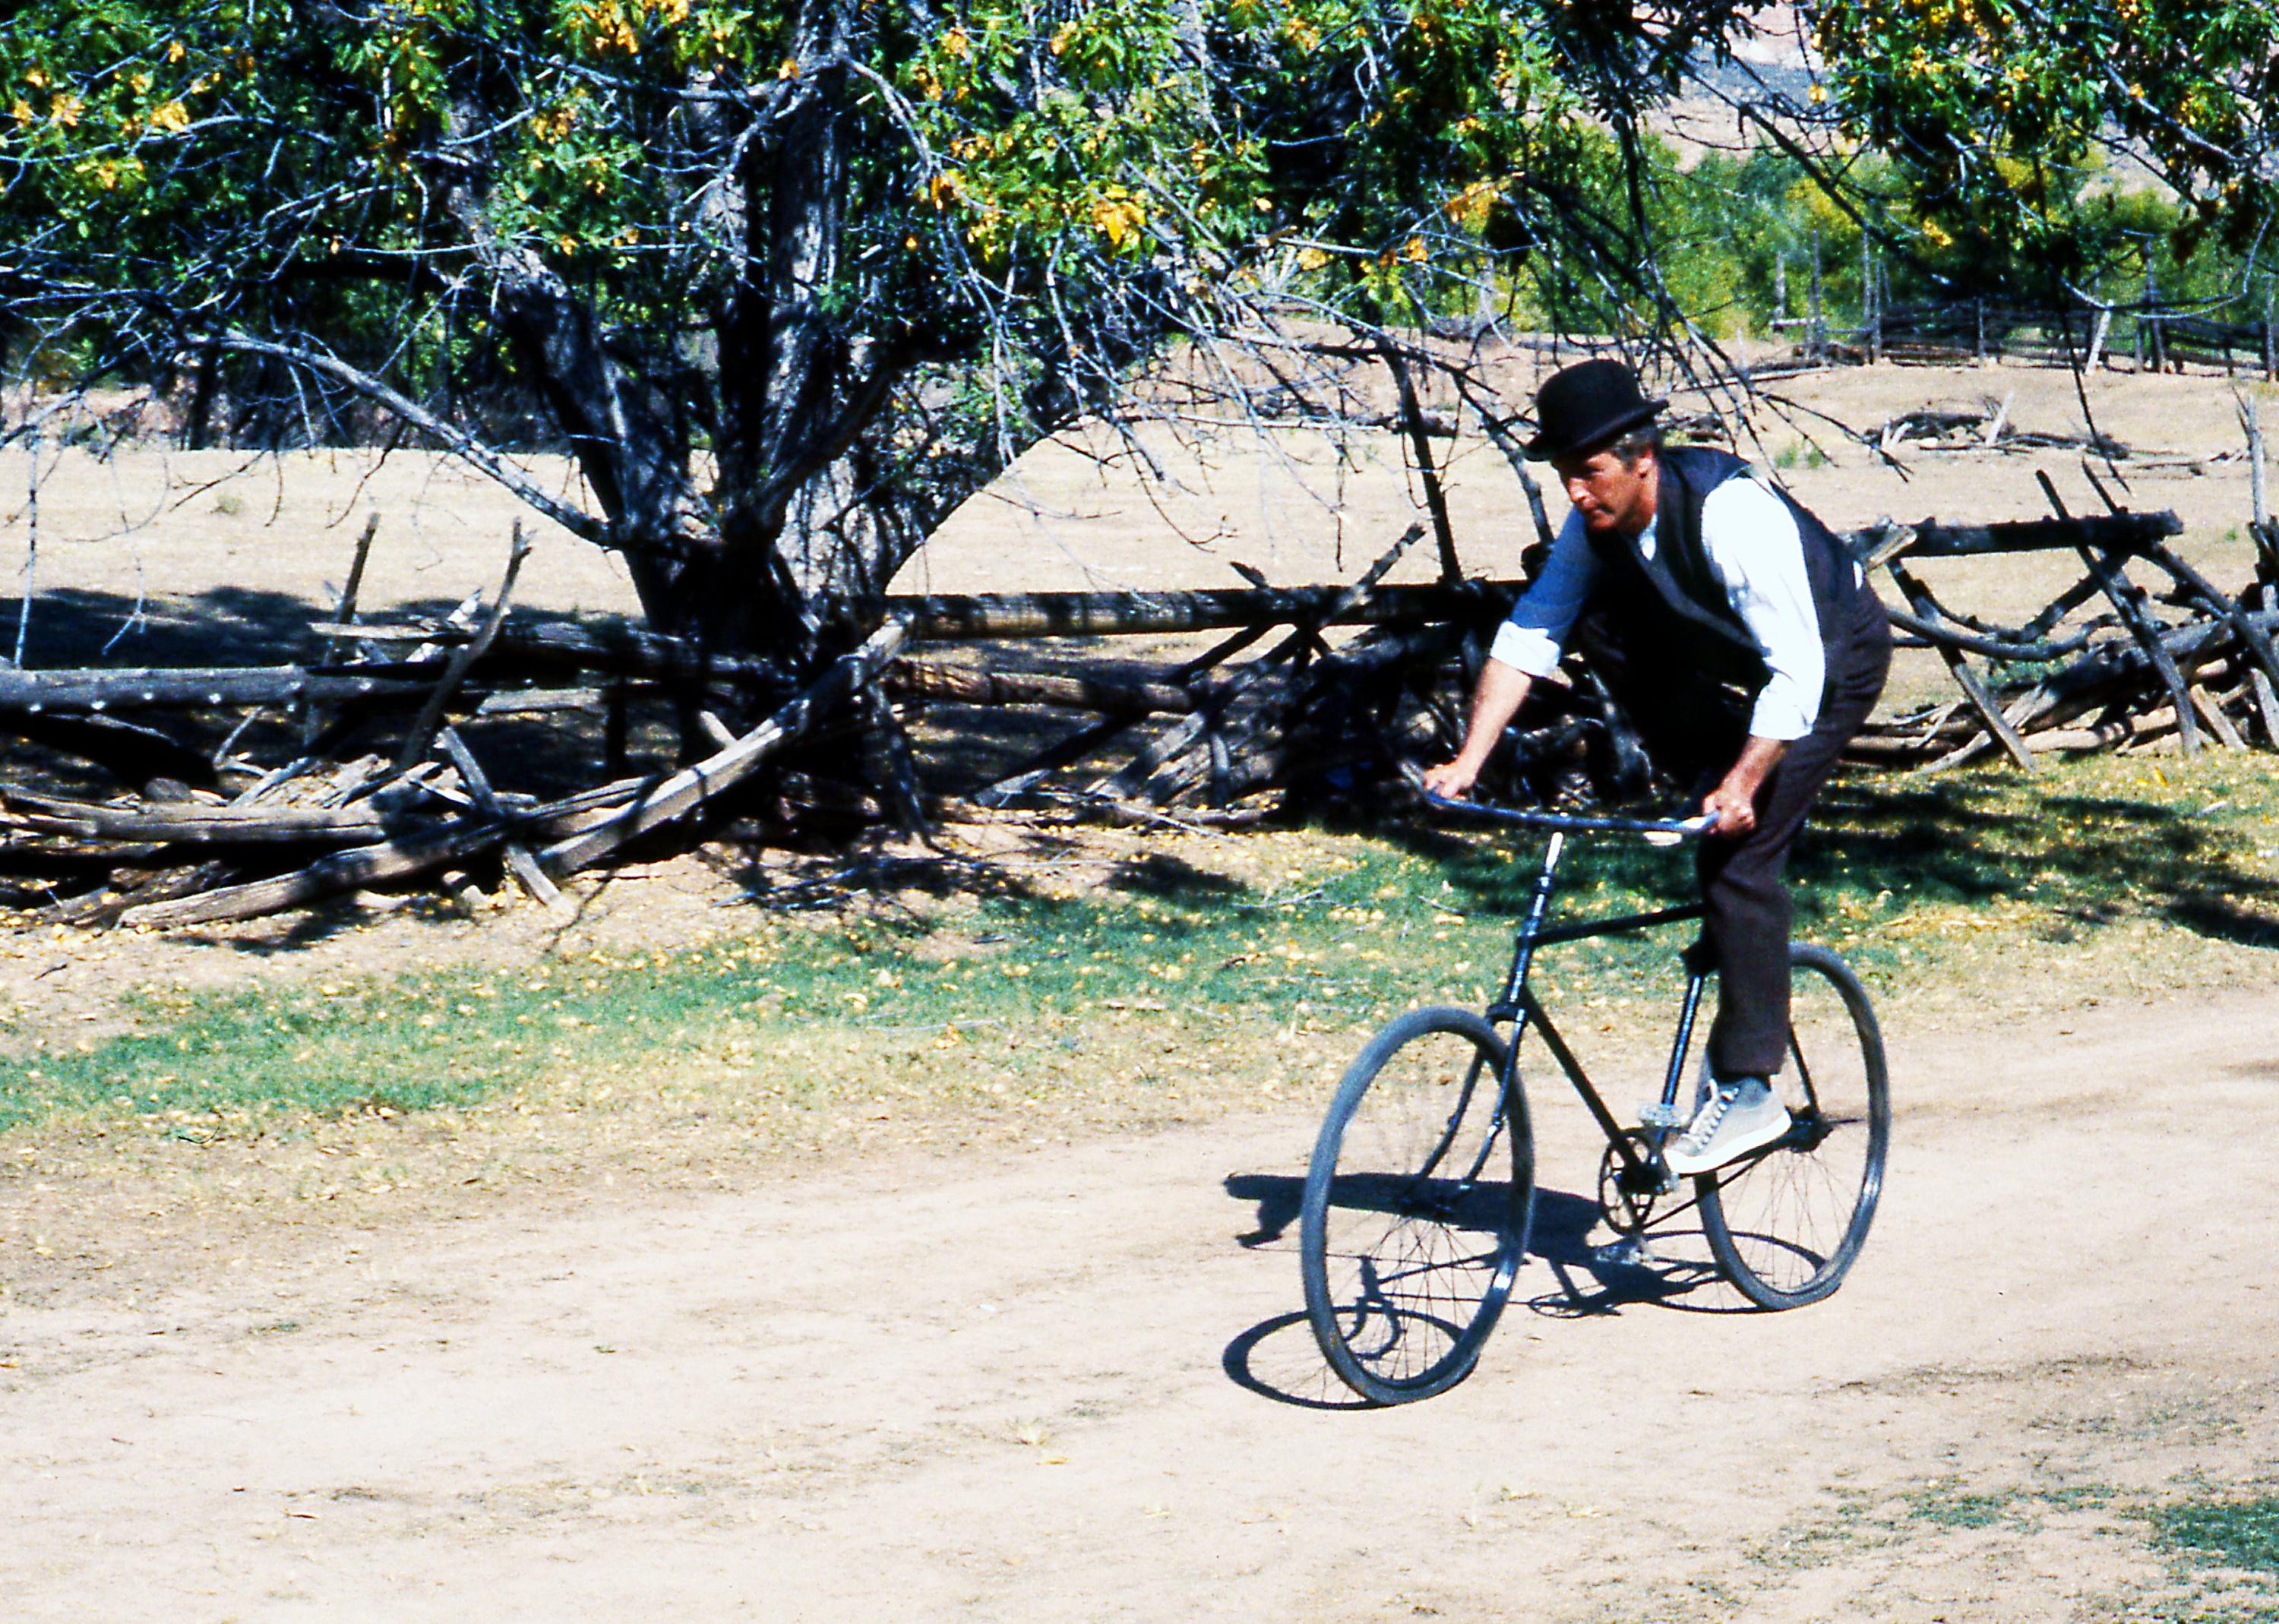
(1276, 1358)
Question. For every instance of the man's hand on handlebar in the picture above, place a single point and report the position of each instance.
(1450, 780)
(1735, 810)
(1733, 803)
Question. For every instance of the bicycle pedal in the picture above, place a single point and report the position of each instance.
(1657, 1114)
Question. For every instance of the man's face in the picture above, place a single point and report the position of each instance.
(1613, 496)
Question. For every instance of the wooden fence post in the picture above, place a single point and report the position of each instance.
(2259, 499)
(1819, 328)
(1871, 313)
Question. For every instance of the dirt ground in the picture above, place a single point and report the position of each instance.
(1072, 1384)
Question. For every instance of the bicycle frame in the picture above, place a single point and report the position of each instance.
(1519, 1007)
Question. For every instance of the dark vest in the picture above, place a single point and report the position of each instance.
(1670, 610)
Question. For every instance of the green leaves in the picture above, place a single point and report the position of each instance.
(1998, 107)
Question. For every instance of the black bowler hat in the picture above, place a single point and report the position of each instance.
(1586, 406)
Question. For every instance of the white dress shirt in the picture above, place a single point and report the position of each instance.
(1756, 554)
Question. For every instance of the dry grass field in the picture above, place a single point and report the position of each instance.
(934, 1257)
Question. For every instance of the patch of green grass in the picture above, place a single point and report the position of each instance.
(2238, 1533)
(1916, 880)
(1953, 1508)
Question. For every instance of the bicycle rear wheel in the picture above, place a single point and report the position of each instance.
(1417, 1206)
(1786, 1221)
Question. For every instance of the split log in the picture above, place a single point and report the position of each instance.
(359, 867)
(60, 691)
(352, 870)
(2117, 533)
(2219, 724)
(2109, 734)
(192, 823)
(690, 788)
(1124, 614)
(616, 650)
(926, 680)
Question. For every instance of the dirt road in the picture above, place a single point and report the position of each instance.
(1069, 1385)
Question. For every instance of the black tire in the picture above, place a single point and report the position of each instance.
(1786, 1222)
(1417, 1205)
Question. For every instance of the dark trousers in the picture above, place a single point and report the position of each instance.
(1698, 732)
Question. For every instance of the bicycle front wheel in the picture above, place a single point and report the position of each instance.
(1786, 1222)
(1417, 1207)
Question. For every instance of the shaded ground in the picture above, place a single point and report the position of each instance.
(1068, 1384)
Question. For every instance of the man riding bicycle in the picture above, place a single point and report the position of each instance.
(1743, 639)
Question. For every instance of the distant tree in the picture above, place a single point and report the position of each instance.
(2014, 122)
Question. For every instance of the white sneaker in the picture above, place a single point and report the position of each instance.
(1742, 1115)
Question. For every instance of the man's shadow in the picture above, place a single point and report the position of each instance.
(1276, 1358)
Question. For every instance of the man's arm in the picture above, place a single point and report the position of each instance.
(1495, 703)
(1733, 803)
(1527, 646)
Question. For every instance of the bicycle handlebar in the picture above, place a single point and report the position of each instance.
(1677, 827)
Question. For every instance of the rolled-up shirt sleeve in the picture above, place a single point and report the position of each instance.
(1752, 542)
(1534, 635)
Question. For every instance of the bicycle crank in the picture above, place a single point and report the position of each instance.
(1629, 1191)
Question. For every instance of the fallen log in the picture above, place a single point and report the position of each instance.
(196, 825)
(49, 693)
(1124, 613)
(926, 680)
(616, 650)
(2117, 533)
(352, 870)
(2109, 734)
(377, 864)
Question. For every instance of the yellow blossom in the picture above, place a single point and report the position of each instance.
(1117, 215)
(173, 116)
(65, 110)
(1470, 207)
(174, 51)
(790, 68)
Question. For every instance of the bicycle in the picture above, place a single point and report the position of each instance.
(1409, 1242)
